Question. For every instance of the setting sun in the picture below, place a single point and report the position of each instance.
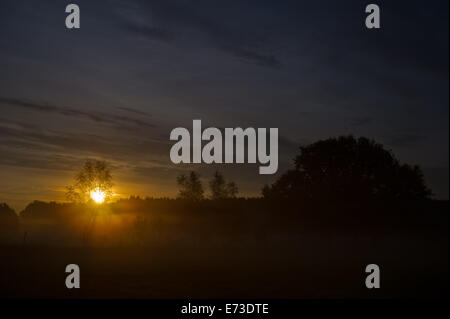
(98, 196)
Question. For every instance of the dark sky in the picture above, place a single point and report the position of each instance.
(115, 88)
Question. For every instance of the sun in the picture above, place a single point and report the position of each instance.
(98, 196)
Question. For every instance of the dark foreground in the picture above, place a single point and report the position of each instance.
(289, 261)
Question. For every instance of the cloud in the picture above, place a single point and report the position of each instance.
(25, 139)
(218, 35)
(70, 112)
(253, 57)
(151, 33)
(128, 109)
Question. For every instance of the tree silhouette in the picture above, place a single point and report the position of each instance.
(220, 189)
(346, 168)
(7, 211)
(191, 187)
(94, 175)
(9, 222)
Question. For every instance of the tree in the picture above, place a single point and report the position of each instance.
(220, 189)
(9, 222)
(346, 168)
(94, 176)
(191, 187)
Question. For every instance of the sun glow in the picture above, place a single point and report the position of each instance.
(98, 196)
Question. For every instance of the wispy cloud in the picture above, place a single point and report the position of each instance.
(254, 57)
(215, 34)
(100, 117)
(152, 33)
(134, 111)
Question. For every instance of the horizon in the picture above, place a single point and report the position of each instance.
(195, 154)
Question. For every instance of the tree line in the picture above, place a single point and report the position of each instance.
(342, 169)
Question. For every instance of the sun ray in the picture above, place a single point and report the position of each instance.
(98, 196)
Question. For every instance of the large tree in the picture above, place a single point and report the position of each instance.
(346, 168)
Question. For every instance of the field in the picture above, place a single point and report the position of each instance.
(232, 252)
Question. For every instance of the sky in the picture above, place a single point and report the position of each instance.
(115, 88)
